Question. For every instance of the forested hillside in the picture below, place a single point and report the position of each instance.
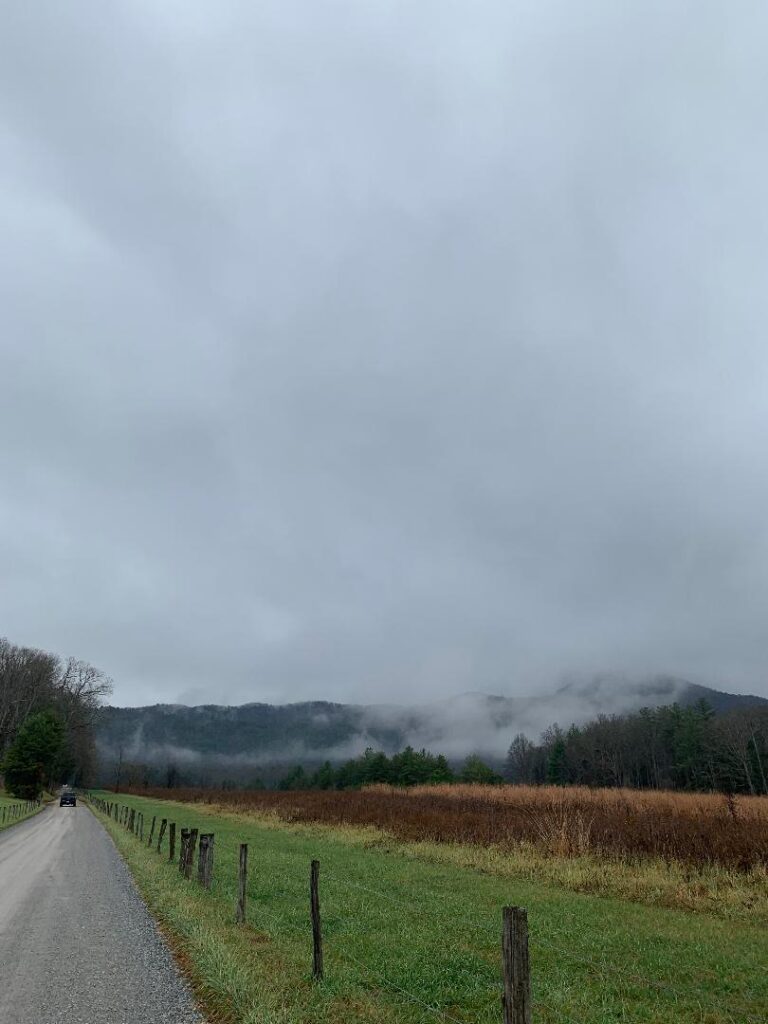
(263, 744)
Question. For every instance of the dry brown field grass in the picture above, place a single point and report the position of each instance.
(565, 822)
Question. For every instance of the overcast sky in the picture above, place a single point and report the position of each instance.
(374, 350)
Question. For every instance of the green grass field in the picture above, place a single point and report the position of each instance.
(407, 940)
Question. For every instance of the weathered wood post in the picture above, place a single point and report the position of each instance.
(202, 855)
(205, 860)
(141, 826)
(172, 841)
(241, 884)
(183, 849)
(317, 935)
(209, 861)
(515, 966)
(189, 860)
(151, 830)
(163, 826)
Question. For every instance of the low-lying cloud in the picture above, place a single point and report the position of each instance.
(470, 723)
(387, 350)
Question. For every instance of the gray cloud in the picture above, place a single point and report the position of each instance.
(380, 351)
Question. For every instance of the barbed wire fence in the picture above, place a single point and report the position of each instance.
(513, 987)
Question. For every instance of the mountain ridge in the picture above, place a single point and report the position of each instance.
(236, 739)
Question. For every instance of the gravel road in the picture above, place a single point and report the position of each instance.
(77, 943)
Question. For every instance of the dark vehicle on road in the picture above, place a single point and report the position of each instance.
(68, 800)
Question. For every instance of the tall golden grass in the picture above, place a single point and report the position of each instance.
(691, 828)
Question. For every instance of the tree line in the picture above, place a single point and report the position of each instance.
(47, 710)
(408, 768)
(668, 747)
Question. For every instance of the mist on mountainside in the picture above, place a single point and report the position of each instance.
(243, 740)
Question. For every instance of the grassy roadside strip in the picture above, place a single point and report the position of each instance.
(7, 802)
(239, 974)
(430, 929)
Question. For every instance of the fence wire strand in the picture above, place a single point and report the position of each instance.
(397, 988)
(601, 968)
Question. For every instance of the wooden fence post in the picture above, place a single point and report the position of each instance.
(515, 966)
(209, 861)
(141, 826)
(189, 860)
(172, 841)
(317, 935)
(183, 849)
(163, 826)
(205, 860)
(151, 830)
(242, 883)
(202, 854)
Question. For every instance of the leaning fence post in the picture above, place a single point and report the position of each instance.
(241, 884)
(317, 935)
(515, 966)
(163, 826)
(172, 841)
